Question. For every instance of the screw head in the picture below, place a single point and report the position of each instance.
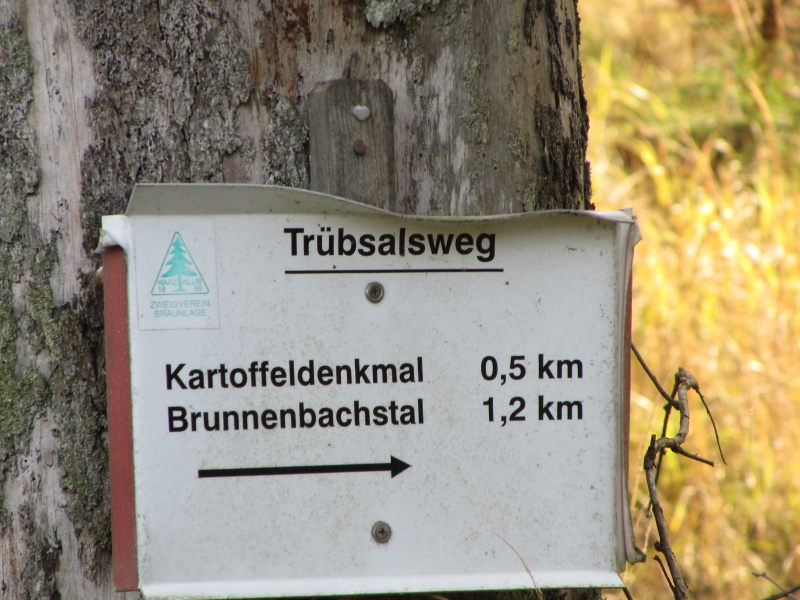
(381, 532)
(361, 112)
(359, 147)
(374, 292)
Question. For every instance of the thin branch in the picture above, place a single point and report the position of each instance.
(627, 593)
(670, 398)
(785, 593)
(667, 415)
(650, 375)
(714, 425)
(684, 381)
(679, 588)
(653, 459)
(683, 452)
(664, 571)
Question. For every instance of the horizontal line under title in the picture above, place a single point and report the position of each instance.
(377, 271)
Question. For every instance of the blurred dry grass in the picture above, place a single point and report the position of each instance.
(695, 123)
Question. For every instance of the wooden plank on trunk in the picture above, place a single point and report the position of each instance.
(351, 135)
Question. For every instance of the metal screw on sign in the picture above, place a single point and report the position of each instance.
(361, 112)
(381, 532)
(374, 292)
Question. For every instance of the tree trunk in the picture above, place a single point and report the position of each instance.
(485, 115)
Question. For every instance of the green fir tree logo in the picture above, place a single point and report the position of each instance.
(179, 273)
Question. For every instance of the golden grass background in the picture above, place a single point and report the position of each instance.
(695, 124)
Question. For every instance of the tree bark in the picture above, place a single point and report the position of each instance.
(487, 116)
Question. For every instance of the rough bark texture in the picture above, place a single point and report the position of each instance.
(95, 96)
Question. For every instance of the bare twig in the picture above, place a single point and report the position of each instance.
(670, 398)
(679, 588)
(650, 375)
(664, 571)
(627, 593)
(684, 381)
(785, 593)
(536, 589)
(683, 452)
(667, 410)
(667, 415)
(714, 425)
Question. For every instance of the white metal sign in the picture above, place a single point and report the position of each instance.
(328, 398)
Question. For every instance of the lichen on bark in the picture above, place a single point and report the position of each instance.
(476, 114)
(385, 13)
(171, 81)
(171, 77)
(18, 161)
(41, 558)
(285, 143)
(22, 390)
(164, 111)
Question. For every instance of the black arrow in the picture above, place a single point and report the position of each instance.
(395, 466)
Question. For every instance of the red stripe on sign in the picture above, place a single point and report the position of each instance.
(120, 429)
